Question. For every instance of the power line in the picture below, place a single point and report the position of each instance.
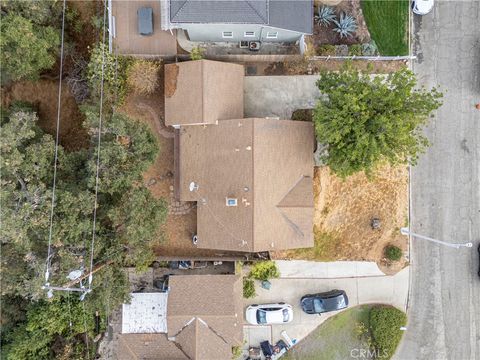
(57, 137)
(97, 175)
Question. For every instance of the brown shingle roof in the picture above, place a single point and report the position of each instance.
(204, 314)
(199, 341)
(148, 347)
(203, 92)
(204, 319)
(267, 165)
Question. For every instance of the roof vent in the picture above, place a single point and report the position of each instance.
(193, 186)
(231, 202)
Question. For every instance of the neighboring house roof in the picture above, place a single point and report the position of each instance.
(219, 11)
(204, 314)
(295, 15)
(148, 347)
(267, 165)
(203, 92)
(204, 317)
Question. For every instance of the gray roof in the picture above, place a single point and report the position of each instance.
(295, 15)
(219, 11)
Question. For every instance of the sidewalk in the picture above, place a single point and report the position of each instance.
(360, 290)
(327, 270)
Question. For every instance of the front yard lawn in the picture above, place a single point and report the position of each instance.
(387, 22)
(365, 331)
(335, 338)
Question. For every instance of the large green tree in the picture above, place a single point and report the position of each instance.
(26, 48)
(365, 120)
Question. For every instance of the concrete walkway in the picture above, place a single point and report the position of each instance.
(392, 290)
(279, 95)
(327, 270)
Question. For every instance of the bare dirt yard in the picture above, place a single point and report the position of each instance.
(43, 94)
(343, 214)
(181, 225)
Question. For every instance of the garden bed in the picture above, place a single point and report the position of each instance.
(327, 41)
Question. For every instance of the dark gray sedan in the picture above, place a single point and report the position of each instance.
(324, 302)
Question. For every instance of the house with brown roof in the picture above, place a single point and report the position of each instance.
(251, 178)
(203, 320)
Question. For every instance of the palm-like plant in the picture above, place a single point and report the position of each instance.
(345, 26)
(325, 16)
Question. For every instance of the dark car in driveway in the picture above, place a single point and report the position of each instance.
(332, 300)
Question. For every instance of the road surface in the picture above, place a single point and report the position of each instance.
(444, 314)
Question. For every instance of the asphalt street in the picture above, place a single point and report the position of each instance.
(444, 308)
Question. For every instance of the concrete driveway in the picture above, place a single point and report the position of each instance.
(384, 289)
(279, 95)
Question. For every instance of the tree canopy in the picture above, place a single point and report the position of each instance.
(128, 218)
(367, 120)
(26, 48)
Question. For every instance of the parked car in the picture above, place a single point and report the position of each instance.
(279, 313)
(145, 20)
(324, 302)
(422, 7)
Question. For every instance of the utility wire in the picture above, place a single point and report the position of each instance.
(86, 330)
(57, 137)
(90, 278)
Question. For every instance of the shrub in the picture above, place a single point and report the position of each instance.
(248, 288)
(393, 252)
(196, 53)
(355, 50)
(370, 49)
(303, 115)
(325, 15)
(264, 270)
(236, 352)
(114, 87)
(326, 50)
(345, 26)
(385, 323)
(142, 76)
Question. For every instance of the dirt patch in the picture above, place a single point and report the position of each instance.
(159, 178)
(171, 74)
(43, 94)
(325, 35)
(300, 66)
(344, 211)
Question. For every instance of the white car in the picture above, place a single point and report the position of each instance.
(422, 7)
(267, 314)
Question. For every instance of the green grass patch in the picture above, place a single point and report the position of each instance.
(335, 338)
(324, 248)
(387, 22)
(351, 333)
